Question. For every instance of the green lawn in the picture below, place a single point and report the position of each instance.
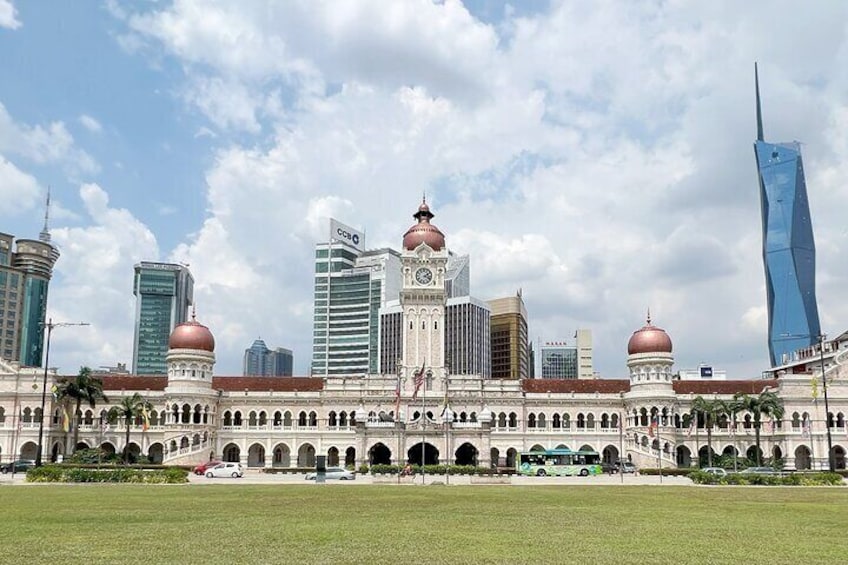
(416, 524)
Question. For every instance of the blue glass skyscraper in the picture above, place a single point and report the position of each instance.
(789, 252)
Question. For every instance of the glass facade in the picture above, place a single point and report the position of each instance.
(163, 293)
(259, 360)
(789, 253)
(559, 362)
(32, 316)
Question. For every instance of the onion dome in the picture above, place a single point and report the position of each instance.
(192, 335)
(423, 231)
(649, 339)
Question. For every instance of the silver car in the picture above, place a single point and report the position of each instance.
(234, 470)
(334, 473)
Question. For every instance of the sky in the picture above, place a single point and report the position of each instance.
(597, 156)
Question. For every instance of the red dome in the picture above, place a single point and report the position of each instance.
(192, 335)
(423, 231)
(649, 339)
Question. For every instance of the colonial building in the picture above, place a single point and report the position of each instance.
(428, 411)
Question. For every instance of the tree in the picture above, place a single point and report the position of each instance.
(130, 408)
(711, 411)
(766, 403)
(82, 388)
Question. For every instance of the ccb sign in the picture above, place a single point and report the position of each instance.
(341, 232)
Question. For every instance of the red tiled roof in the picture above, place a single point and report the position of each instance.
(604, 386)
(723, 387)
(264, 384)
(133, 382)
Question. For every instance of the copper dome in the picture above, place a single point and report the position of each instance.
(649, 339)
(423, 231)
(192, 335)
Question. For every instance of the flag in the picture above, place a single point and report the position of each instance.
(55, 390)
(814, 385)
(66, 419)
(145, 417)
(691, 428)
(20, 421)
(652, 429)
(418, 378)
(805, 430)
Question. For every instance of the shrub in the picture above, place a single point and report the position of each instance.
(363, 469)
(666, 472)
(93, 456)
(62, 474)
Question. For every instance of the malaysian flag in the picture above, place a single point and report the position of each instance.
(418, 379)
(652, 429)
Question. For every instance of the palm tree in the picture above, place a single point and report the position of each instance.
(82, 388)
(130, 408)
(768, 403)
(711, 411)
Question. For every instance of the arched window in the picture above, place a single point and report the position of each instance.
(287, 419)
(581, 421)
(343, 420)
(278, 419)
(614, 421)
(590, 421)
(513, 420)
(541, 421)
(301, 419)
(331, 419)
(237, 418)
(556, 422)
(604, 421)
(566, 421)
(228, 419)
(313, 419)
(531, 420)
(263, 418)
(502, 420)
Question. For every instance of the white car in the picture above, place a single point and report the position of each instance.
(334, 473)
(234, 470)
(717, 471)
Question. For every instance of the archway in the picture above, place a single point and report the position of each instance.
(379, 454)
(802, 458)
(81, 445)
(684, 456)
(431, 454)
(511, 457)
(610, 454)
(232, 453)
(154, 453)
(56, 451)
(350, 457)
(306, 455)
(466, 454)
(704, 455)
(495, 457)
(282, 456)
(754, 454)
(133, 452)
(333, 457)
(256, 456)
(838, 456)
(28, 450)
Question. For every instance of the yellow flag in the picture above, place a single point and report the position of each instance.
(66, 419)
(814, 384)
(145, 418)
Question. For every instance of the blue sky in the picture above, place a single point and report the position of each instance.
(597, 156)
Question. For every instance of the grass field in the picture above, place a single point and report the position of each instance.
(417, 524)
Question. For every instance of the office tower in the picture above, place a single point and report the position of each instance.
(789, 252)
(24, 280)
(351, 285)
(585, 368)
(559, 360)
(259, 360)
(458, 275)
(468, 349)
(164, 292)
(509, 342)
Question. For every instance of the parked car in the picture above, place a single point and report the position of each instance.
(609, 468)
(234, 470)
(20, 465)
(759, 471)
(717, 471)
(334, 473)
(627, 467)
(203, 467)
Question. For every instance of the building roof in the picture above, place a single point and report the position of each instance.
(604, 386)
(723, 387)
(134, 382)
(275, 384)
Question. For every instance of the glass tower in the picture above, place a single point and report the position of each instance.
(164, 292)
(259, 360)
(789, 252)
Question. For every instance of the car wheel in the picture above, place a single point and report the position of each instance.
(584, 472)
(209, 475)
(235, 475)
(541, 473)
(4, 470)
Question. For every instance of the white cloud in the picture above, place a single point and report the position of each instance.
(8, 15)
(597, 157)
(18, 190)
(93, 281)
(90, 123)
(40, 144)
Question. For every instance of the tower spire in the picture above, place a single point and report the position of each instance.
(45, 233)
(759, 110)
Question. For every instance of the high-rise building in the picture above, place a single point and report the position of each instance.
(563, 361)
(468, 335)
(351, 285)
(164, 292)
(789, 252)
(24, 279)
(259, 360)
(509, 342)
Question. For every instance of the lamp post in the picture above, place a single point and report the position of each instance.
(49, 325)
(826, 407)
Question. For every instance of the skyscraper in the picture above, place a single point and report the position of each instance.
(510, 353)
(164, 292)
(259, 360)
(563, 361)
(24, 279)
(789, 252)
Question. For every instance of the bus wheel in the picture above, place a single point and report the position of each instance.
(541, 473)
(584, 472)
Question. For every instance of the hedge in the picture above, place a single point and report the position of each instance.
(666, 472)
(792, 479)
(430, 470)
(75, 474)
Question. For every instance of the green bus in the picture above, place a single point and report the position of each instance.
(558, 462)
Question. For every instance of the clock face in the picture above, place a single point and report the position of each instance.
(423, 276)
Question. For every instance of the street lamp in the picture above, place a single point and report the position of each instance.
(49, 325)
(826, 407)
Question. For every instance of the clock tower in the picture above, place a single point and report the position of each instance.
(422, 297)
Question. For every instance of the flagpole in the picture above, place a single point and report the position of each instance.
(621, 447)
(735, 451)
(423, 426)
